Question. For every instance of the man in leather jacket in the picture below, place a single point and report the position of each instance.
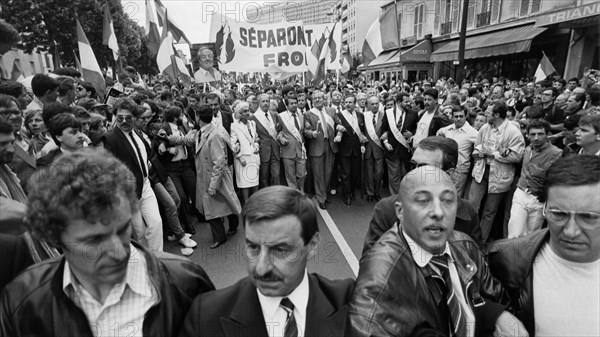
(401, 291)
(558, 268)
(104, 284)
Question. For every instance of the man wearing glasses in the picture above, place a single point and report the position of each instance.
(566, 272)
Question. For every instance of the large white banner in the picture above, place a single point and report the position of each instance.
(248, 47)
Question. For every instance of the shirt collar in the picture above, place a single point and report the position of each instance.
(420, 255)
(299, 298)
(136, 276)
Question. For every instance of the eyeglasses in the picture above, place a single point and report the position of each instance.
(121, 118)
(586, 220)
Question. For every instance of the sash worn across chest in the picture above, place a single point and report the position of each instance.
(349, 118)
(268, 125)
(394, 128)
(371, 132)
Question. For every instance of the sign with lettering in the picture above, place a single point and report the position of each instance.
(579, 12)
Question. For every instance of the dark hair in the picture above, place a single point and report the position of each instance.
(80, 112)
(400, 96)
(448, 146)
(65, 84)
(52, 109)
(561, 81)
(420, 102)
(139, 98)
(5, 127)
(286, 89)
(154, 107)
(539, 124)
(8, 33)
(166, 95)
(287, 99)
(554, 91)
(204, 113)
(127, 104)
(85, 184)
(579, 98)
(274, 202)
(500, 108)
(12, 88)
(89, 87)
(211, 96)
(60, 122)
(6, 100)
(40, 84)
(172, 112)
(457, 108)
(575, 79)
(431, 92)
(71, 72)
(594, 95)
(573, 171)
(591, 120)
(534, 111)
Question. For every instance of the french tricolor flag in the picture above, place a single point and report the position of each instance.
(382, 35)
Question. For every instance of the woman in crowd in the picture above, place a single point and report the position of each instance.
(36, 130)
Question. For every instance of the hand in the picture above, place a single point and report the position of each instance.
(362, 150)
(508, 325)
(211, 191)
(340, 128)
(504, 152)
(243, 162)
(407, 134)
(162, 148)
(388, 146)
(307, 125)
(337, 139)
(162, 133)
(172, 150)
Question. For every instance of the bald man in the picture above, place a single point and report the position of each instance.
(422, 277)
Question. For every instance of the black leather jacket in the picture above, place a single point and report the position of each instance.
(511, 262)
(34, 304)
(392, 297)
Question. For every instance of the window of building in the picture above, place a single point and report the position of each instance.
(32, 65)
(529, 7)
(419, 20)
(446, 16)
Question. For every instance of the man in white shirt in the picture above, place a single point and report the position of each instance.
(558, 267)
(464, 135)
(278, 298)
(206, 73)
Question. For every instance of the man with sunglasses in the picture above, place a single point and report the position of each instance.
(558, 267)
(435, 151)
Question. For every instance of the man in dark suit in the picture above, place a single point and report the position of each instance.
(279, 297)
(398, 125)
(266, 128)
(350, 147)
(291, 139)
(321, 145)
(125, 143)
(373, 150)
(435, 151)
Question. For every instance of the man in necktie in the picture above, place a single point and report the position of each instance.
(268, 144)
(422, 277)
(291, 139)
(278, 298)
(373, 157)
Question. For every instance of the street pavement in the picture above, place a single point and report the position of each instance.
(337, 255)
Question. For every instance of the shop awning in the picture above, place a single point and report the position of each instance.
(503, 42)
(421, 52)
(382, 58)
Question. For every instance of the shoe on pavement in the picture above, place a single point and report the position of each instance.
(322, 206)
(333, 191)
(216, 244)
(187, 242)
(231, 232)
(173, 237)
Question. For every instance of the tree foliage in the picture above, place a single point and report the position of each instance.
(45, 24)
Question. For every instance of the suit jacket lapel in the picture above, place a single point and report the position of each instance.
(203, 137)
(246, 319)
(128, 146)
(26, 157)
(321, 318)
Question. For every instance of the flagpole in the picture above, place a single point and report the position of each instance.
(398, 38)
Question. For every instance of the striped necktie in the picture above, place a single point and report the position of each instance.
(457, 314)
(291, 327)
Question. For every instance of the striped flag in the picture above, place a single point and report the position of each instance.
(544, 69)
(177, 32)
(169, 64)
(16, 74)
(346, 63)
(109, 38)
(90, 70)
(382, 35)
(321, 49)
(153, 39)
(77, 63)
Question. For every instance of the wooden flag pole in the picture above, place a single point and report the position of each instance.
(399, 42)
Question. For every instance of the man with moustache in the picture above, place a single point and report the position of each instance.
(266, 128)
(279, 297)
(558, 267)
(105, 283)
(422, 278)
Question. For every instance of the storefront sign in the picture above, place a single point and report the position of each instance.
(568, 15)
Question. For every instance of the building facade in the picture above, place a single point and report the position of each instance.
(504, 38)
(16, 61)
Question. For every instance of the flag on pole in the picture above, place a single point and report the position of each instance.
(321, 49)
(346, 63)
(382, 35)
(177, 32)
(16, 74)
(153, 40)
(544, 69)
(90, 70)
(109, 38)
(169, 64)
(77, 63)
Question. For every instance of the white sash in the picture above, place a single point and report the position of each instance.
(327, 120)
(288, 120)
(394, 128)
(353, 123)
(371, 128)
(260, 116)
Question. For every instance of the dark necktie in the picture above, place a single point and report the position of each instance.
(291, 327)
(374, 120)
(139, 153)
(457, 314)
(296, 121)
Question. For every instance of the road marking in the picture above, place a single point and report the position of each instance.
(341, 242)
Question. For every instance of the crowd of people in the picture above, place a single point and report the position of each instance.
(468, 166)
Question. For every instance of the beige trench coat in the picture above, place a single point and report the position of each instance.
(213, 172)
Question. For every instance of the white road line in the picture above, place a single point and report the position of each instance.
(341, 242)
